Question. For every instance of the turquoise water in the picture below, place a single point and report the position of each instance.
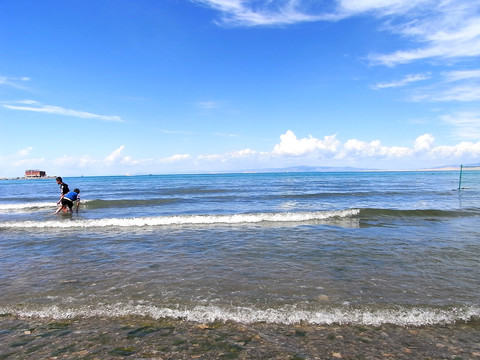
(363, 248)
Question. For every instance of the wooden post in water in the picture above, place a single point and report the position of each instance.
(460, 178)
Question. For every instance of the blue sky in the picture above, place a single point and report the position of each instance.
(141, 86)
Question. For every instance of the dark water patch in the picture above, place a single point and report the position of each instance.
(416, 213)
(126, 203)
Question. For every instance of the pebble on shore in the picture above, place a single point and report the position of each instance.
(143, 338)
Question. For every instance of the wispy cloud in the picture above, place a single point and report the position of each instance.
(175, 158)
(268, 12)
(442, 29)
(403, 82)
(462, 75)
(29, 162)
(177, 132)
(464, 93)
(207, 105)
(225, 134)
(447, 30)
(34, 106)
(466, 124)
(25, 152)
(457, 86)
(15, 82)
(242, 153)
(378, 7)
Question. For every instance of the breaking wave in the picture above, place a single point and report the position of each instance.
(27, 206)
(251, 218)
(288, 315)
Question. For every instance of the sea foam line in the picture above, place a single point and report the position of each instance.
(252, 218)
(27, 206)
(32, 205)
(209, 314)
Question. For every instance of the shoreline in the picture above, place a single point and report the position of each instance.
(29, 178)
(146, 338)
(451, 168)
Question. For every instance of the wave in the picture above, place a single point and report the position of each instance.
(251, 218)
(417, 316)
(32, 206)
(27, 206)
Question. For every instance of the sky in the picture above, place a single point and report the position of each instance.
(180, 86)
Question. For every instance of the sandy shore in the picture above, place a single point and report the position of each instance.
(142, 338)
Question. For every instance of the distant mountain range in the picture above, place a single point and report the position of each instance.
(308, 169)
(350, 169)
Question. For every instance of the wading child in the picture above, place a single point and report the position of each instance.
(68, 200)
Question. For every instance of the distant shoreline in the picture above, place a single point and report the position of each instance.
(28, 178)
(287, 170)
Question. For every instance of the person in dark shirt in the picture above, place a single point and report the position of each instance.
(63, 188)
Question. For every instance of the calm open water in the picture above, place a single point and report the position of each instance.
(322, 248)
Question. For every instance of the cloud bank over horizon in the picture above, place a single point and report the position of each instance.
(289, 151)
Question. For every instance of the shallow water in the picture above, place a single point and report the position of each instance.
(366, 248)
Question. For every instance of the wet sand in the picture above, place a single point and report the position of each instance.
(143, 338)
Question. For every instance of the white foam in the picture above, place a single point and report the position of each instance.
(19, 207)
(27, 206)
(286, 315)
(287, 217)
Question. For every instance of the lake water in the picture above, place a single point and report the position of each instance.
(321, 248)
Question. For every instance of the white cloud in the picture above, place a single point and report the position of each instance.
(27, 102)
(384, 7)
(358, 150)
(372, 149)
(26, 151)
(224, 134)
(291, 146)
(14, 81)
(464, 93)
(207, 105)
(114, 159)
(128, 160)
(81, 162)
(211, 157)
(466, 124)
(289, 151)
(423, 142)
(29, 162)
(57, 110)
(463, 149)
(175, 158)
(115, 156)
(462, 75)
(242, 153)
(403, 82)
